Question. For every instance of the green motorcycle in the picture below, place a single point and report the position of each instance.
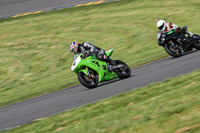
(92, 71)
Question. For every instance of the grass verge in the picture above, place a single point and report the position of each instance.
(34, 56)
(171, 106)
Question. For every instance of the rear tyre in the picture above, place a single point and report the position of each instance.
(86, 81)
(175, 52)
(197, 43)
(123, 72)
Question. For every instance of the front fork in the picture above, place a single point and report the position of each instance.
(172, 44)
(174, 47)
(90, 75)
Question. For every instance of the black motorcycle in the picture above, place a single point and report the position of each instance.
(175, 44)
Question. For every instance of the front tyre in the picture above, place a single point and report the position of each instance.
(123, 72)
(86, 81)
(172, 50)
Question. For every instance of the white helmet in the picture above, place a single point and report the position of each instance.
(161, 24)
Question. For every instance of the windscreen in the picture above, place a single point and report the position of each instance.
(75, 57)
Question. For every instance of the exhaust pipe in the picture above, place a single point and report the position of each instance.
(117, 66)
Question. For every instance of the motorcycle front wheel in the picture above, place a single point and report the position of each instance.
(172, 50)
(86, 81)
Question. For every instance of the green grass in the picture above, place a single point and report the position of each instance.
(34, 56)
(171, 106)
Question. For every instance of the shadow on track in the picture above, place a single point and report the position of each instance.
(186, 53)
(112, 81)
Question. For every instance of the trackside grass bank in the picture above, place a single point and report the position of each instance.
(171, 106)
(34, 57)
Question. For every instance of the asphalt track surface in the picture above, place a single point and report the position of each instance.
(46, 105)
(13, 7)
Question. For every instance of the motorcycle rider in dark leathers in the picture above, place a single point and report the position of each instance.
(87, 49)
(165, 27)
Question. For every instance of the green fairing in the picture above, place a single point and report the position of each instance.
(93, 64)
(173, 31)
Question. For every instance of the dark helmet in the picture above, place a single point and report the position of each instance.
(73, 47)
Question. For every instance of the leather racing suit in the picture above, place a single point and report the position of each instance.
(89, 49)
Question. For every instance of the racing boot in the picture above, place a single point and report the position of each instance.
(110, 61)
(190, 34)
(110, 68)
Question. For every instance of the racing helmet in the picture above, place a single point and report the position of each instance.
(162, 25)
(73, 46)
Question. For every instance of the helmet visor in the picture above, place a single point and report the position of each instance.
(161, 27)
(71, 46)
(71, 49)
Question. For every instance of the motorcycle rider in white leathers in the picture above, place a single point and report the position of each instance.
(166, 27)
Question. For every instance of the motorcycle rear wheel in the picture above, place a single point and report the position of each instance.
(86, 81)
(197, 44)
(123, 72)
